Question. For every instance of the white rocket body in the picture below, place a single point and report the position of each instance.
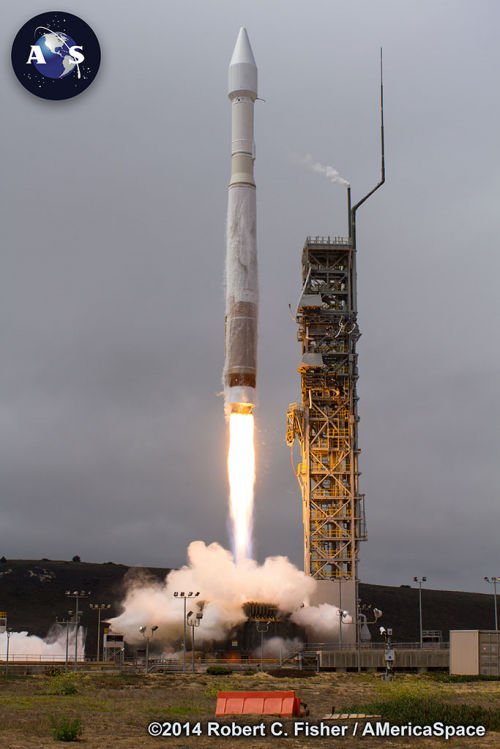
(240, 369)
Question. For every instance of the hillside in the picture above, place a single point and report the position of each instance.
(441, 610)
(32, 592)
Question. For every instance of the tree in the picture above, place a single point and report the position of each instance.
(76, 558)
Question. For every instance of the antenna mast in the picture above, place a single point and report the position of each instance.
(352, 211)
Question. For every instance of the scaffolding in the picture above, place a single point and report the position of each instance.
(326, 422)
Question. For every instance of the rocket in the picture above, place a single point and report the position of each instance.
(240, 368)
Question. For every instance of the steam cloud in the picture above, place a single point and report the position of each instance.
(52, 647)
(322, 619)
(224, 587)
(329, 172)
(277, 646)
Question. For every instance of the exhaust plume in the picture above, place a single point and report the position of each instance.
(323, 620)
(224, 588)
(241, 471)
(52, 647)
(329, 172)
(277, 647)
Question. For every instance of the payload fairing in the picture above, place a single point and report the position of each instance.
(240, 369)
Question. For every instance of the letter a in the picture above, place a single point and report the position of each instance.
(36, 54)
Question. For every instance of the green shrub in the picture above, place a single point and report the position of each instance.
(53, 671)
(213, 689)
(64, 684)
(64, 729)
(218, 671)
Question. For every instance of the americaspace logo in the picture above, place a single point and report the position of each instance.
(56, 55)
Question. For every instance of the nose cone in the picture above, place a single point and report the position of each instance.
(242, 68)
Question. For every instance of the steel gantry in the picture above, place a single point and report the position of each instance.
(326, 421)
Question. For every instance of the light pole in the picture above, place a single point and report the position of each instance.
(361, 619)
(342, 614)
(342, 617)
(262, 627)
(185, 596)
(420, 581)
(99, 607)
(8, 633)
(66, 622)
(357, 622)
(144, 632)
(193, 621)
(494, 581)
(77, 595)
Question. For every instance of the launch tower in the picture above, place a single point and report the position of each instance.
(326, 421)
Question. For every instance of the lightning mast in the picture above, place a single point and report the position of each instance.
(326, 422)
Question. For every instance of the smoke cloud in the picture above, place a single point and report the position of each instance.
(52, 647)
(224, 588)
(277, 647)
(323, 620)
(329, 172)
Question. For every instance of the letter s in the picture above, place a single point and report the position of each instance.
(77, 56)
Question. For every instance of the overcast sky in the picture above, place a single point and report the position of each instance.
(113, 439)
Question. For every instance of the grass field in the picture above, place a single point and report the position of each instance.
(115, 710)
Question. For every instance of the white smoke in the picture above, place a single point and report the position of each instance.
(323, 620)
(329, 172)
(224, 587)
(53, 647)
(277, 647)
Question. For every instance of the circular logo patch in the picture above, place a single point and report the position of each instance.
(56, 55)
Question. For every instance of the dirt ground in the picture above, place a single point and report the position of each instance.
(115, 711)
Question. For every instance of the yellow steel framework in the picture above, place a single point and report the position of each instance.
(326, 421)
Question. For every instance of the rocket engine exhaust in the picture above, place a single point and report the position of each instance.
(241, 473)
(240, 369)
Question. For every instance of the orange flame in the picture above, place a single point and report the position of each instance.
(241, 470)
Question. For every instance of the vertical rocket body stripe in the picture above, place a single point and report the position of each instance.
(240, 370)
